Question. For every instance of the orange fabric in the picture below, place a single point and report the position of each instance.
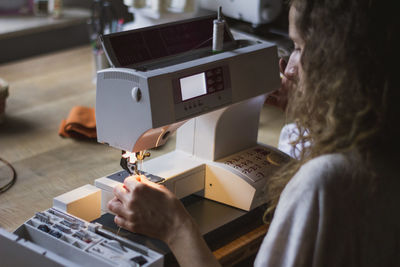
(81, 123)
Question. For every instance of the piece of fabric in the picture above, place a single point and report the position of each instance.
(288, 135)
(328, 217)
(80, 123)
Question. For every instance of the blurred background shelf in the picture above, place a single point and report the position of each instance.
(26, 36)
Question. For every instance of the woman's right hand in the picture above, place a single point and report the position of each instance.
(144, 207)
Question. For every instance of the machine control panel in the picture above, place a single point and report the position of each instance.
(255, 162)
(201, 91)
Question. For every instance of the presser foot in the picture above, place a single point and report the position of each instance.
(130, 162)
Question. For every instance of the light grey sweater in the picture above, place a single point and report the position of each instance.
(326, 217)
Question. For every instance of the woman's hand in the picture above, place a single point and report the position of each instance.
(151, 209)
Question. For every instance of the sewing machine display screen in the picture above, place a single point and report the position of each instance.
(193, 86)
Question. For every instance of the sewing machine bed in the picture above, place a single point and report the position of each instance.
(219, 224)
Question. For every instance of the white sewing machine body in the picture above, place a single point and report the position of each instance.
(216, 148)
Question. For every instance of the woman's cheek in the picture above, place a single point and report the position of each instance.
(291, 68)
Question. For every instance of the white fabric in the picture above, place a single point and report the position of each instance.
(324, 218)
(290, 133)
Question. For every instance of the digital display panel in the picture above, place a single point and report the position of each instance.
(193, 86)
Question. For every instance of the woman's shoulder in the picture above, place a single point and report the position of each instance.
(327, 165)
(328, 162)
(323, 172)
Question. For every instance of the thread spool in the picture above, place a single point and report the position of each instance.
(218, 33)
(55, 8)
(138, 3)
(157, 6)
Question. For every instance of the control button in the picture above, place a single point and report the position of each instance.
(190, 106)
(136, 94)
(220, 87)
(185, 108)
(260, 175)
(194, 105)
(209, 73)
(219, 78)
(210, 81)
(211, 89)
(199, 103)
(218, 71)
(140, 260)
(98, 250)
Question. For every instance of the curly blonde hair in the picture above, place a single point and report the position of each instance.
(346, 101)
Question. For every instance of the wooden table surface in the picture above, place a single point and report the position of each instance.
(42, 92)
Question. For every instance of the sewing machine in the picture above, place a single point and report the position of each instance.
(212, 101)
(164, 79)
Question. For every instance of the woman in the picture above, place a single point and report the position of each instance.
(338, 204)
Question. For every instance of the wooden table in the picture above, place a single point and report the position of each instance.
(42, 92)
